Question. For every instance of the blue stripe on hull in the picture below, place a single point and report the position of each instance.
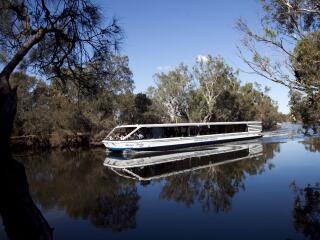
(186, 145)
(119, 149)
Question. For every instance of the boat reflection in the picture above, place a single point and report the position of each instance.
(152, 166)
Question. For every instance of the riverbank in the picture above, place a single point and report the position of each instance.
(53, 141)
(67, 140)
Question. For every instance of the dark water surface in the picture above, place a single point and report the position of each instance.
(266, 190)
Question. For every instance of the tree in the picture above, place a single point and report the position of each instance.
(256, 104)
(304, 109)
(214, 77)
(290, 34)
(73, 110)
(212, 92)
(285, 24)
(53, 38)
(306, 63)
(143, 111)
(173, 90)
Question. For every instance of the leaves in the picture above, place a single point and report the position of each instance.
(72, 35)
(215, 95)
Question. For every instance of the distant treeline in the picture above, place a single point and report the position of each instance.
(73, 114)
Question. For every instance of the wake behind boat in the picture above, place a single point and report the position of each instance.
(158, 137)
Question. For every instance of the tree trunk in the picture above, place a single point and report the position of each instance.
(21, 217)
(8, 94)
(8, 107)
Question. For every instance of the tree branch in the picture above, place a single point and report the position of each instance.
(20, 54)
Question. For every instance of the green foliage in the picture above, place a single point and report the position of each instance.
(173, 91)
(104, 98)
(52, 36)
(215, 78)
(64, 114)
(212, 92)
(303, 108)
(291, 37)
(306, 62)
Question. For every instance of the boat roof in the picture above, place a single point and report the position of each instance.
(187, 124)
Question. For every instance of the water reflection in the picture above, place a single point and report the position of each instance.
(312, 144)
(211, 176)
(306, 207)
(215, 186)
(306, 210)
(77, 183)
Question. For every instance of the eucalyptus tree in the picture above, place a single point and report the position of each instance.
(211, 92)
(173, 90)
(287, 51)
(214, 77)
(286, 25)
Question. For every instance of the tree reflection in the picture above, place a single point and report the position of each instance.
(312, 144)
(77, 183)
(306, 210)
(214, 187)
(117, 211)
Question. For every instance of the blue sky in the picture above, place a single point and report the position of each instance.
(161, 34)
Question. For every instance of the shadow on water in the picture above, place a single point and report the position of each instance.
(306, 207)
(77, 183)
(20, 216)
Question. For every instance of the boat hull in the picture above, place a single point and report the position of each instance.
(177, 143)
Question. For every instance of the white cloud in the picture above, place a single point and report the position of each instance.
(164, 68)
(201, 58)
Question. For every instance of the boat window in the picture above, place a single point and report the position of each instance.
(185, 131)
(142, 133)
(160, 132)
(120, 133)
(157, 132)
(193, 131)
(220, 129)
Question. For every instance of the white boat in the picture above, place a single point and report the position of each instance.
(158, 137)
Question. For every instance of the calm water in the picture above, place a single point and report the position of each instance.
(266, 190)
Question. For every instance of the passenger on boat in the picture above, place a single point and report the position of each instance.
(140, 136)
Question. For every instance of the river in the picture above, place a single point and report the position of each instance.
(269, 190)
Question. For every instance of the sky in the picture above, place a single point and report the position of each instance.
(159, 35)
